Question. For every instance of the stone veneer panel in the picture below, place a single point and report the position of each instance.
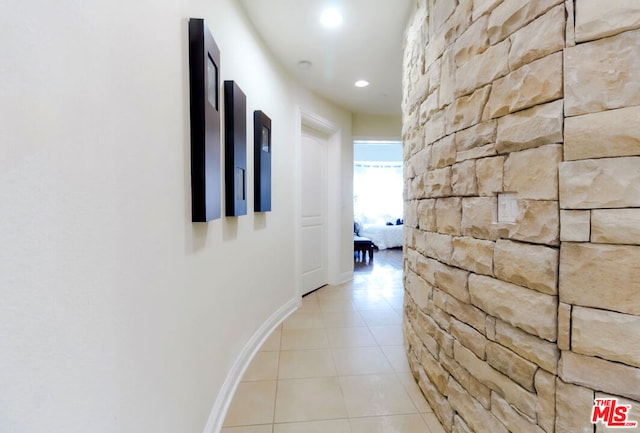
(526, 309)
(474, 255)
(616, 226)
(573, 408)
(532, 266)
(543, 353)
(594, 22)
(546, 409)
(473, 42)
(600, 183)
(482, 8)
(589, 269)
(478, 136)
(537, 222)
(517, 326)
(576, 225)
(602, 135)
(484, 69)
(600, 374)
(467, 110)
(527, 46)
(511, 15)
(593, 331)
(533, 173)
(532, 84)
(603, 74)
(534, 127)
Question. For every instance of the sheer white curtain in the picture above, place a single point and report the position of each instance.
(377, 192)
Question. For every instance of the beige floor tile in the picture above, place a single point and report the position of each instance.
(309, 304)
(432, 422)
(303, 339)
(362, 290)
(334, 294)
(397, 303)
(248, 429)
(252, 404)
(303, 320)
(387, 289)
(333, 426)
(361, 360)
(342, 319)
(350, 337)
(375, 395)
(385, 283)
(397, 356)
(309, 400)
(372, 303)
(363, 278)
(296, 364)
(264, 366)
(331, 288)
(414, 392)
(390, 335)
(328, 325)
(381, 317)
(272, 343)
(336, 305)
(389, 424)
(392, 291)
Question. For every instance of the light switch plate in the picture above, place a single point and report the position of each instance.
(507, 207)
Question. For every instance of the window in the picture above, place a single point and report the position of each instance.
(377, 182)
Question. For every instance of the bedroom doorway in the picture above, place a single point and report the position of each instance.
(377, 192)
(314, 261)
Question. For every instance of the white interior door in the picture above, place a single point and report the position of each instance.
(313, 261)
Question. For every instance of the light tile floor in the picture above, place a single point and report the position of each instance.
(337, 365)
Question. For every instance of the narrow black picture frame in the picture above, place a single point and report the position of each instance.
(262, 161)
(235, 149)
(204, 93)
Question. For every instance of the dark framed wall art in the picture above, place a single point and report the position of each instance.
(262, 161)
(235, 149)
(204, 89)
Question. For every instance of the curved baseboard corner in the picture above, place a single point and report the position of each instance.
(225, 396)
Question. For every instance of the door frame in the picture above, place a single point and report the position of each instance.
(308, 134)
(332, 134)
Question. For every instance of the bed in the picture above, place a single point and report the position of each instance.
(383, 236)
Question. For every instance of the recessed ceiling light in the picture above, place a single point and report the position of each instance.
(361, 83)
(331, 18)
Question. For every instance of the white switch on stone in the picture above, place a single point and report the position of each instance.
(507, 207)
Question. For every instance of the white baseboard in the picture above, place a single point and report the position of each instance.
(228, 390)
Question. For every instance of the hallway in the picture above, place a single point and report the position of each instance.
(337, 365)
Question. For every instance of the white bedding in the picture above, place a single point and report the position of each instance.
(383, 236)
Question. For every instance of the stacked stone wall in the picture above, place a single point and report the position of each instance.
(517, 316)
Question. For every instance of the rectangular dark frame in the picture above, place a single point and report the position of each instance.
(262, 161)
(204, 89)
(235, 149)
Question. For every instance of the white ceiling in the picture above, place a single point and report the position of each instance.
(367, 45)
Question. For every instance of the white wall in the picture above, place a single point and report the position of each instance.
(117, 314)
(377, 127)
